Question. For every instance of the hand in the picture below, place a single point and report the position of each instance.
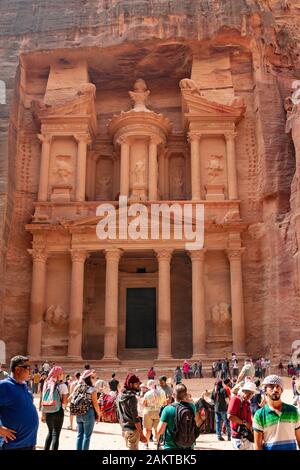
(248, 426)
(43, 418)
(7, 433)
(98, 417)
(143, 439)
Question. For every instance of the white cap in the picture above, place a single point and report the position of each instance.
(249, 386)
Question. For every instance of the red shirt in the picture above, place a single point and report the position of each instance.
(241, 409)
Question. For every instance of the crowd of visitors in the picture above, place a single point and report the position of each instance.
(245, 406)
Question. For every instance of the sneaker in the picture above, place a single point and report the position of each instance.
(220, 438)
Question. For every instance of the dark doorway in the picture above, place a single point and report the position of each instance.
(141, 317)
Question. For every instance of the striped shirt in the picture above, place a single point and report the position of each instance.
(278, 427)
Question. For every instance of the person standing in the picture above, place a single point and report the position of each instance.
(86, 422)
(239, 415)
(277, 424)
(54, 390)
(151, 374)
(18, 415)
(168, 391)
(177, 375)
(186, 368)
(128, 413)
(154, 399)
(113, 385)
(72, 386)
(3, 375)
(220, 398)
(167, 423)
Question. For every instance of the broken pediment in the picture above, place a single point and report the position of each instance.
(197, 108)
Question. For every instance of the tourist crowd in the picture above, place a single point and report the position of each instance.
(244, 406)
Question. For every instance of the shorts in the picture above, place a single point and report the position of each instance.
(132, 439)
(151, 419)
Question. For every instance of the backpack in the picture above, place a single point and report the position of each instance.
(51, 404)
(108, 408)
(185, 429)
(80, 403)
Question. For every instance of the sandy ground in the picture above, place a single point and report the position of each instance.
(108, 436)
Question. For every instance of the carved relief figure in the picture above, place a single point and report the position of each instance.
(63, 169)
(189, 85)
(55, 316)
(104, 186)
(215, 167)
(221, 319)
(139, 172)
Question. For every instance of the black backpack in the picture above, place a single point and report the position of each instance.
(185, 429)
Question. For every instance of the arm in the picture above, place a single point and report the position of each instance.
(237, 420)
(96, 406)
(64, 400)
(160, 429)
(258, 440)
(297, 434)
(138, 427)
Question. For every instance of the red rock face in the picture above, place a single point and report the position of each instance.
(243, 48)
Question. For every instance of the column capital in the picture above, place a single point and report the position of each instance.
(123, 139)
(164, 254)
(197, 254)
(229, 136)
(78, 256)
(194, 136)
(45, 138)
(39, 254)
(113, 254)
(155, 139)
(235, 254)
(82, 138)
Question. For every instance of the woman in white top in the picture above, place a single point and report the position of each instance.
(154, 399)
(55, 420)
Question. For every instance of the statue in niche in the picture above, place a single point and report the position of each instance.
(140, 95)
(104, 186)
(55, 316)
(214, 167)
(139, 172)
(221, 319)
(63, 169)
(178, 181)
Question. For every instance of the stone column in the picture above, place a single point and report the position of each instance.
(198, 304)
(76, 303)
(37, 302)
(153, 170)
(195, 166)
(124, 166)
(44, 167)
(237, 304)
(111, 305)
(161, 172)
(81, 167)
(166, 176)
(231, 166)
(164, 304)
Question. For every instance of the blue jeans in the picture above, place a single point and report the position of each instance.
(220, 417)
(85, 424)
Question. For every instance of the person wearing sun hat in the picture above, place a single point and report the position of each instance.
(277, 424)
(239, 414)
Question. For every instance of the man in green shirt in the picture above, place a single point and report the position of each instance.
(167, 420)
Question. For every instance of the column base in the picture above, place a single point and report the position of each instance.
(110, 361)
(74, 358)
(198, 357)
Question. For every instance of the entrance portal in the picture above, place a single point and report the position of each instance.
(141, 317)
